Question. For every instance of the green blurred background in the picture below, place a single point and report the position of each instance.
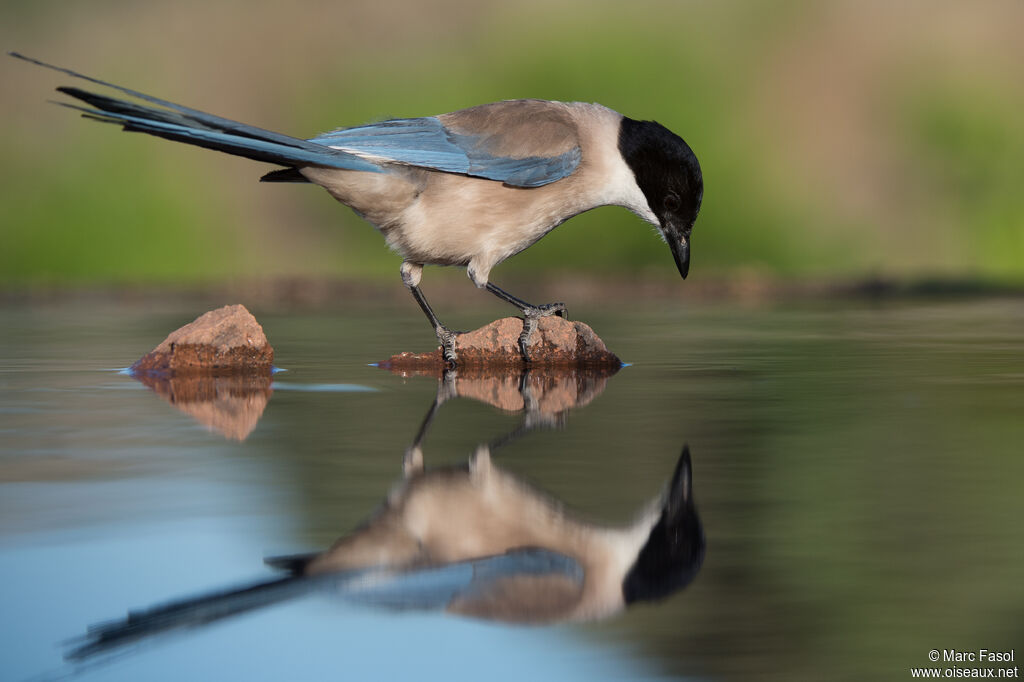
(839, 140)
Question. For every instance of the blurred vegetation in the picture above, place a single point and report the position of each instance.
(839, 140)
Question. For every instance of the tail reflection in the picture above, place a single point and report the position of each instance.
(474, 540)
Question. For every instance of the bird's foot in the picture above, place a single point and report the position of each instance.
(530, 317)
(545, 309)
(447, 337)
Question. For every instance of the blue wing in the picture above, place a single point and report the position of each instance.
(427, 143)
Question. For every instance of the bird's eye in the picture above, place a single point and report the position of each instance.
(672, 202)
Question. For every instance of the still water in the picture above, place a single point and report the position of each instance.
(858, 469)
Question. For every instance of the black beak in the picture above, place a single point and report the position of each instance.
(680, 490)
(680, 245)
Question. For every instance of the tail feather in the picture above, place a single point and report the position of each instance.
(284, 175)
(183, 124)
(107, 637)
(248, 147)
(292, 564)
(117, 106)
(215, 122)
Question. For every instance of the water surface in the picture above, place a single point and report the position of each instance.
(857, 467)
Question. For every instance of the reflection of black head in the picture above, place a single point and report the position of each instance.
(674, 551)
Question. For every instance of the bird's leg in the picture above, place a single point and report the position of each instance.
(412, 463)
(531, 313)
(533, 417)
(445, 336)
(411, 274)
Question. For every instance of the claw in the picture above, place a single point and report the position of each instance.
(529, 326)
(558, 309)
(447, 339)
(530, 317)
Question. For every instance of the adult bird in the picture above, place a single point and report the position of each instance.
(469, 188)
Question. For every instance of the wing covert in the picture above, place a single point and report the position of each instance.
(488, 151)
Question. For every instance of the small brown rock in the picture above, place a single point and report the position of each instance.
(556, 343)
(228, 339)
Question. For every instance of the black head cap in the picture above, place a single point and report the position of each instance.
(674, 551)
(667, 172)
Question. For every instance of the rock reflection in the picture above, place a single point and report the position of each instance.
(547, 390)
(473, 540)
(231, 404)
(544, 395)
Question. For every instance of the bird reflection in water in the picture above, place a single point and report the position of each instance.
(474, 540)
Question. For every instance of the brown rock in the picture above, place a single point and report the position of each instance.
(556, 343)
(225, 340)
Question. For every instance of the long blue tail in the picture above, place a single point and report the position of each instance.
(182, 124)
